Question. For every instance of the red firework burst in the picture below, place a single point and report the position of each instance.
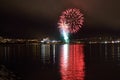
(71, 20)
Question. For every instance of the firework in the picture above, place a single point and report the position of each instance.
(71, 20)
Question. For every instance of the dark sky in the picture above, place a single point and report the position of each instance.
(38, 18)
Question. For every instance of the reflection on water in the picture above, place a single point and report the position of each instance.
(45, 52)
(48, 53)
(63, 61)
(72, 62)
(107, 52)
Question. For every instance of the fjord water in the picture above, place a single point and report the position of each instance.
(62, 61)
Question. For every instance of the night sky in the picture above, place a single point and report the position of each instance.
(38, 18)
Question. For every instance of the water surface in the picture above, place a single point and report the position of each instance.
(62, 61)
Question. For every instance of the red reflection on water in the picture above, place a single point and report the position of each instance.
(72, 62)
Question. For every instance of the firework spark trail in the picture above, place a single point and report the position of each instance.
(70, 21)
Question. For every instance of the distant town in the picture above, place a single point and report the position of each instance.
(47, 40)
(44, 40)
(9, 40)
